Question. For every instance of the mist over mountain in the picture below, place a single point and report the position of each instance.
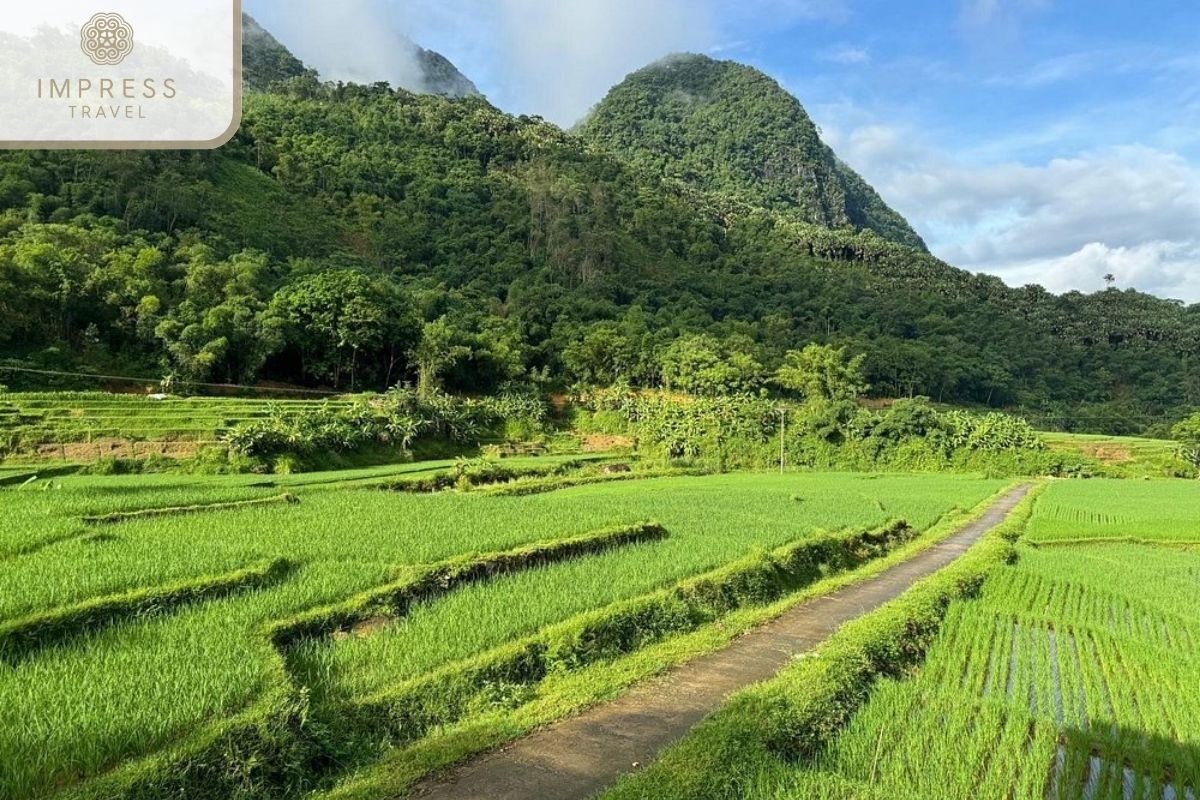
(407, 65)
(730, 129)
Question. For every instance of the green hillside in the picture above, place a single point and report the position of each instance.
(728, 128)
(265, 60)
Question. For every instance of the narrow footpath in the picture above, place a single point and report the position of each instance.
(580, 756)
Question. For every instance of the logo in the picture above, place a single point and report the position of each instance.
(107, 39)
(164, 82)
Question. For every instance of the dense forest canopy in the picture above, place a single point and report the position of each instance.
(360, 236)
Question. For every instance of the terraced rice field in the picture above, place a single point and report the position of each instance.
(1123, 456)
(266, 645)
(28, 420)
(1075, 675)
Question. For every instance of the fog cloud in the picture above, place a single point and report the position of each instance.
(565, 56)
(362, 41)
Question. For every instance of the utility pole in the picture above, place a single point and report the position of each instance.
(782, 437)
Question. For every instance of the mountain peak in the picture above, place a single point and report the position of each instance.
(265, 60)
(729, 128)
(441, 77)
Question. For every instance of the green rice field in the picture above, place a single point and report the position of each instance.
(30, 419)
(1073, 676)
(130, 645)
(1161, 511)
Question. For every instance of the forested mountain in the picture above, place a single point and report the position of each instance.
(353, 236)
(728, 128)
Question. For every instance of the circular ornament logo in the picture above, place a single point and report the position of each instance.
(107, 39)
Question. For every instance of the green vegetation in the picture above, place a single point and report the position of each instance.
(828, 431)
(796, 713)
(280, 436)
(1151, 511)
(265, 61)
(694, 280)
(476, 250)
(1126, 456)
(182, 689)
(1070, 674)
(665, 119)
(712, 431)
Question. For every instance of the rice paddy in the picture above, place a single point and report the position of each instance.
(1156, 511)
(30, 419)
(178, 606)
(1074, 675)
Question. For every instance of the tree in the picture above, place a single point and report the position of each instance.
(703, 365)
(346, 325)
(822, 373)
(436, 352)
(220, 329)
(602, 356)
(1187, 433)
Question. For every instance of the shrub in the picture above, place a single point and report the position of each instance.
(742, 431)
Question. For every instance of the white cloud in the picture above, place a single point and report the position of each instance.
(1132, 211)
(996, 25)
(1167, 269)
(564, 56)
(979, 12)
(848, 55)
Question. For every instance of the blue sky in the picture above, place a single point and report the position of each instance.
(1040, 140)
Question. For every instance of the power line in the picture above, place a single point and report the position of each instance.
(127, 379)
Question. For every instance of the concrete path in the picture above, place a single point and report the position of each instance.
(578, 757)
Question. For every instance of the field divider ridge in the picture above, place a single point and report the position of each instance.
(539, 485)
(502, 676)
(427, 581)
(268, 743)
(471, 477)
(23, 636)
(172, 511)
(1182, 544)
